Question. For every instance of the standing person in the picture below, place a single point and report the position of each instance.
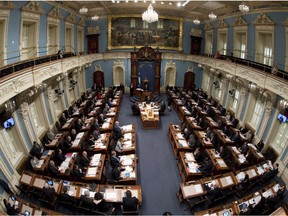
(169, 102)
(131, 89)
(129, 203)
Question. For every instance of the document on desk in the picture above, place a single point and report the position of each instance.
(252, 173)
(95, 160)
(75, 143)
(128, 136)
(267, 193)
(241, 158)
(235, 150)
(127, 144)
(240, 176)
(179, 136)
(221, 162)
(92, 171)
(189, 157)
(127, 162)
(127, 127)
(40, 163)
(105, 125)
(111, 195)
(183, 143)
(226, 181)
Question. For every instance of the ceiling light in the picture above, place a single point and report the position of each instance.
(162, 2)
(179, 4)
(153, 1)
(127, 1)
(212, 16)
(113, 1)
(185, 3)
(196, 21)
(150, 15)
(170, 3)
(243, 7)
(95, 17)
(83, 10)
(135, 1)
(118, 1)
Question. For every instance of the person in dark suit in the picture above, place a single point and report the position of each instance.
(58, 157)
(65, 197)
(101, 119)
(129, 203)
(36, 150)
(66, 144)
(260, 145)
(114, 160)
(186, 133)
(96, 134)
(86, 200)
(84, 161)
(99, 203)
(244, 148)
(94, 87)
(73, 134)
(78, 173)
(236, 138)
(52, 168)
(116, 172)
(117, 130)
(206, 166)
(11, 209)
(245, 183)
(214, 192)
(192, 142)
(87, 148)
(62, 119)
(131, 89)
(49, 192)
(78, 125)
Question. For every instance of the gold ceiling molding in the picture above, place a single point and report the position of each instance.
(240, 21)
(263, 19)
(81, 22)
(208, 27)
(196, 32)
(71, 18)
(222, 24)
(55, 13)
(285, 23)
(33, 7)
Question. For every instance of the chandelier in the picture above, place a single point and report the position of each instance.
(150, 15)
(196, 21)
(212, 16)
(83, 10)
(95, 17)
(243, 8)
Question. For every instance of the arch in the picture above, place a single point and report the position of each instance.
(170, 74)
(98, 76)
(189, 79)
(118, 73)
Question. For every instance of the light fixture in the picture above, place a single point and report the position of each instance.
(283, 103)
(252, 86)
(153, 1)
(196, 21)
(150, 15)
(212, 70)
(95, 17)
(179, 4)
(199, 66)
(243, 7)
(83, 10)
(212, 16)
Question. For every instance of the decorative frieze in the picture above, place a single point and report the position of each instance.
(208, 27)
(263, 19)
(222, 24)
(249, 74)
(240, 22)
(196, 32)
(277, 86)
(71, 18)
(33, 7)
(55, 13)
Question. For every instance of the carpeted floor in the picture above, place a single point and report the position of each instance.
(158, 173)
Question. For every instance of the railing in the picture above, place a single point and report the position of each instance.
(265, 68)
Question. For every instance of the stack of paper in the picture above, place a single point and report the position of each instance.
(127, 127)
(128, 136)
(183, 143)
(95, 160)
(91, 171)
(241, 158)
(189, 157)
(179, 136)
(240, 176)
(105, 125)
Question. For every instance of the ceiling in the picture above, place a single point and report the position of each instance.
(193, 9)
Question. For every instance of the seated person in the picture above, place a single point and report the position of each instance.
(65, 197)
(245, 183)
(228, 116)
(114, 160)
(49, 192)
(34, 162)
(78, 125)
(58, 157)
(86, 200)
(248, 135)
(78, 173)
(186, 133)
(236, 138)
(11, 209)
(84, 161)
(106, 110)
(260, 145)
(96, 134)
(244, 148)
(99, 203)
(66, 144)
(52, 168)
(50, 135)
(118, 147)
(214, 192)
(101, 119)
(129, 203)
(62, 119)
(109, 102)
(117, 130)
(208, 131)
(87, 148)
(192, 141)
(36, 150)
(198, 155)
(206, 166)
(73, 134)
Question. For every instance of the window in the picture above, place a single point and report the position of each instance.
(267, 53)
(243, 46)
(160, 24)
(236, 100)
(36, 120)
(258, 113)
(281, 137)
(53, 38)
(80, 40)
(209, 43)
(29, 40)
(219, 93)
(222, 43)
(145, 25)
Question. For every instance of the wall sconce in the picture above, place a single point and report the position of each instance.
(252, 86)
(212, 70)
(200, 66)
(229, 76)
(283, 103)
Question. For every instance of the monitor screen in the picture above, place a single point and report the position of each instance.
(26, 213)
(12, 198)
(9, 123)
(282, 118)
(50, 183)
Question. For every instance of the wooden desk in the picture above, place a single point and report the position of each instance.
(240, 174)
(211, 122)
(254, 155)
(223, 137)
(192, 190)
(219, 163)
(56, 141)
(113, 112)
(80, 138)
(227, 181)
(39, 183)
(108, 125)
(188, 167)
(66, 166)
(44, 161)
(69, 124)
(95, 169)
(115, 193)
(183, 112)
(218, 210)
(203, 140)
(176, 102)
(129, 175)
(88, 124)
(177, 142)
(191, 123)
(27, 179)
(102, 143)
(95, 112)
(78, 112)
(238, 159)
(145, 94)
(129, 144)
(149, 114)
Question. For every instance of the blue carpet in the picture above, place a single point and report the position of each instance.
(158, 173)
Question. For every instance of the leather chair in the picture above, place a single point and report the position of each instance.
(130, 212)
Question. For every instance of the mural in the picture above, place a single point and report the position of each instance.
(130, 32)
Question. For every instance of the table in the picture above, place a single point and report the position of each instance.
(56, 141)
(183, 112)
(107, 125)
(203, 140)
(129, 175)
(69, 124)
(192, 124)
(102, 143)
(188, 167)
(44, 161)
(149, 114)
(192, 190)
(238, 159)
(80, 138)
(218, 162)
(223, 137)
(115, 193)
(88, 124)
(95, 169)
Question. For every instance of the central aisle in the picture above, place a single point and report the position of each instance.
(158, 173)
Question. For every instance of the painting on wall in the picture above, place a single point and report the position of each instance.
(130, 32)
